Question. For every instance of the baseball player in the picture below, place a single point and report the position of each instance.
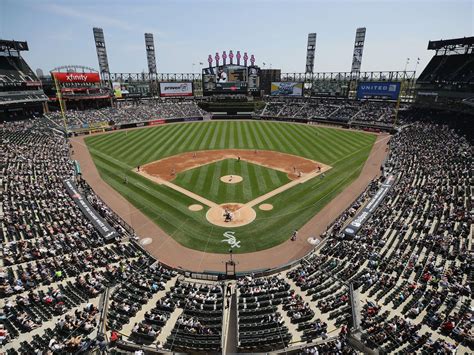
(294, 235)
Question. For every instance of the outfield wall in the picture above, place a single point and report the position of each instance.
(360, 125)
(157, 122)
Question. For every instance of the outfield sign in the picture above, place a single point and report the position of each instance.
(77, 77)
(176, 89)
(378, 90)
(286, 88)
(117, 87)
(92, 215)
(367, 211)
(156, 122)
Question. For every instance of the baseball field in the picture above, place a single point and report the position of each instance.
(272, 177)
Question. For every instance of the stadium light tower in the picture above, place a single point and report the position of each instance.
(101, 52)
(150, 53)
(310, 50)
(358, 50)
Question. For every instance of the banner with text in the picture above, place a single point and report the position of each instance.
(91, 214)
(77, 77)
(365, 213)
(176, 89)
(378, 90)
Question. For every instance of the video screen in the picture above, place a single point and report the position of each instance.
(287, 89)
(225, 79)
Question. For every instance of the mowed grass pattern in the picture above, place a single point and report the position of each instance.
(116, 154)
(205, 181)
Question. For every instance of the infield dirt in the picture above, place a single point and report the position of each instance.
(297, 168)
(292, 165)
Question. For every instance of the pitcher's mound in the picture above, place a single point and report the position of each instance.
(231, 179)
(195, 208)
(266, 207)
(241, 215)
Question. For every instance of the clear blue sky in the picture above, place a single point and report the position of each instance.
(186, 31)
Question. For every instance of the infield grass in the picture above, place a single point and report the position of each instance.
(116, 154)
(205, 181)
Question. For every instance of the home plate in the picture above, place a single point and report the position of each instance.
(313, 241)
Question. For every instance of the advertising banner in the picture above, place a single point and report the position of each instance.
(91, 214)
(287, 89)
(77, 77)
(156, 122)
(176, 89)
(365, 213)
(117, 90)
(378, 90)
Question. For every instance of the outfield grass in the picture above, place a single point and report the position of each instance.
(205, 181)
(116, 154)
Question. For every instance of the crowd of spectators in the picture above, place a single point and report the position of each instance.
(342, 110)
(130, 112)
(410, 263)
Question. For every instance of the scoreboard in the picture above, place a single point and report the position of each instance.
(230, 79)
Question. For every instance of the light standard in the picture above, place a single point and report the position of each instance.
(406, 64)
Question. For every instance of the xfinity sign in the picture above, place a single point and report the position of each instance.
(77, 77)
(378, 90)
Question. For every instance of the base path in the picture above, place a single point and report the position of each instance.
(191, 194)
(170, 252)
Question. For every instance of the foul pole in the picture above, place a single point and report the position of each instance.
(60, 98)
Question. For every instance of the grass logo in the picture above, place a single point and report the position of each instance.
(231, 239)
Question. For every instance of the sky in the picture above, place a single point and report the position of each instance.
(186, 31)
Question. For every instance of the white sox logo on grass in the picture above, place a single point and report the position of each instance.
(231, 239)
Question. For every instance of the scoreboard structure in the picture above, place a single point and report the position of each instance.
(231, 78)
